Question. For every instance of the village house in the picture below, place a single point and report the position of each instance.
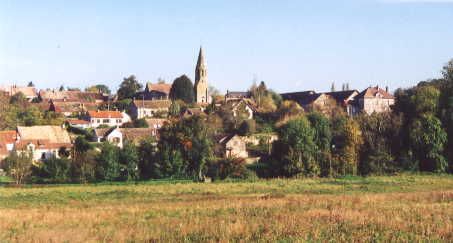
(242, 105)
(72, 96)
(237, 95)
(156, 124)
(374, 100)
(118, 136)
(149, 108)
(29, 92)
(312, 101)
(7, 140)
(107, 118)
(234, 146)
(81, 124)
(43, 142)
(71, 108)
(188, 112)
(346, 100)
(158, 91)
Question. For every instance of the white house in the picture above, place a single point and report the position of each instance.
(108, 118)
(118, 136)
(42, 141)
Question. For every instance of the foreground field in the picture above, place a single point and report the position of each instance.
(403, 208)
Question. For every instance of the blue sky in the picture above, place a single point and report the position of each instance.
(290, 44)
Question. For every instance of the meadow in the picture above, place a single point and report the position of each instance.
(406, 207)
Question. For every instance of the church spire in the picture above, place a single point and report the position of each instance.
(201, 61)
(201, 79)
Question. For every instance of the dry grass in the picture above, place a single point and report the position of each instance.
(402, 208)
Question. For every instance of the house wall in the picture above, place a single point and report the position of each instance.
(378, 105)
(236, 148)
(148, 112)
(115, 137)
(111, 122)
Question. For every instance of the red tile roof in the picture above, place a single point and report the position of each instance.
(7, 136)
(105, 114)
(78, 122)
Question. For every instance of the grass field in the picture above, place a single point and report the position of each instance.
(399, 208)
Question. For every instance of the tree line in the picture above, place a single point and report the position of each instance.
(416, 136)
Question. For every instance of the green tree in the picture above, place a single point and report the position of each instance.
(99, 88)
(129, 159)
(19, 166)
(108, 165)
(347, 140)
(428, 140)
(426, 100)
(174, 109)
(83, 166)
(56, 170)
(182, 89)
(295, 150)
(193, 138)
(381, 134)
(128, 88)
(322, 138)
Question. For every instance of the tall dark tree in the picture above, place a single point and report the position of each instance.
(128, 88)
(182, 89)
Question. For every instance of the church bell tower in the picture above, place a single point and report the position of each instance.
(201, 79)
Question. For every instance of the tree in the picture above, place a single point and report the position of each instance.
(19, 99)
(18, 166)
(426, 100)
(174, 109)
(381, 133)
(346, 140)
(294, 152)
(83, 166)
(129, 160)
(428, 141)
(446, 109)
(99, 88)
(30, 84)
(182, 89)
(322, 138)
(192, 137)
(128, 88)
(108, 165)
(247, 127)
(55, 170)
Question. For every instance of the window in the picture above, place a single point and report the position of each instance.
(43, 155)
(118, 120)
(106, 121)
(98, 121)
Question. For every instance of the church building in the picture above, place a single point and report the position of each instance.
(201, 80)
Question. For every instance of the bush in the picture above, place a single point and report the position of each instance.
(234, 168)
(54, 170)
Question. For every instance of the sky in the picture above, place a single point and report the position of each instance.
(292, 45)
